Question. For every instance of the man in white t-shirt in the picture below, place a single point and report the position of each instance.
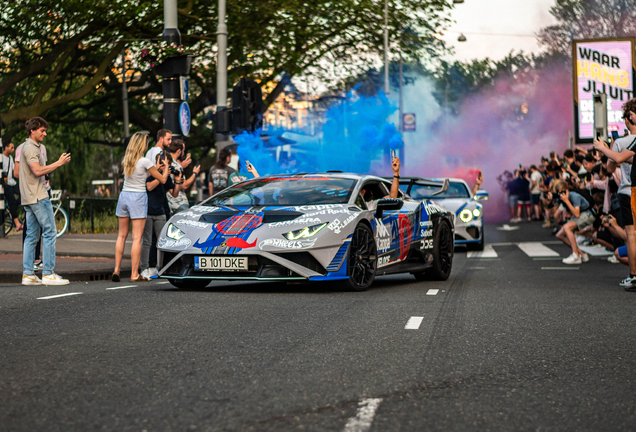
(535, 180)
(164, 139)
(624, 190)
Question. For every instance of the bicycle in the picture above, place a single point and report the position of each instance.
(61, 218)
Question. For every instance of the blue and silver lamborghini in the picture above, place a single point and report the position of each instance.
(307, 227)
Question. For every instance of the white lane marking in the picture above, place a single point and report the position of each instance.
(559, 268)
(537, 249)
(546, 259)
(364, 417)
(59, 295)
(488, 252)
(413, 323)
(161, 283)
(121, 287)
(432, 292)
(596, 250)
(95, 240)
(476, 268)
(502, 244)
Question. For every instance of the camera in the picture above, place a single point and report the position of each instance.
(174, 171)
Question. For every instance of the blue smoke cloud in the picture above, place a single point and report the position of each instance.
(356, 137)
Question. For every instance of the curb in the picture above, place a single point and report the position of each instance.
(76, 276)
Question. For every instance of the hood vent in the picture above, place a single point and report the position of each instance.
(217, 217)
(280, 216)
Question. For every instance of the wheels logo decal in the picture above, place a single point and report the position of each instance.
(405, 235)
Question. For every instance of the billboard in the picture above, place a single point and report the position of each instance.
(601, 66)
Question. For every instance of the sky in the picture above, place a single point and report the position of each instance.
(500, 20)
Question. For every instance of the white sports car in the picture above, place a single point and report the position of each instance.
(458, 199)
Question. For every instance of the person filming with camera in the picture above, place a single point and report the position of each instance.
(582, 217)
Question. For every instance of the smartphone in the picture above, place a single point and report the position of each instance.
(188, 155)
(247, 164)
(68, 150)
(614, 135)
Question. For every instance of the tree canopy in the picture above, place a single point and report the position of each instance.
(61, 59)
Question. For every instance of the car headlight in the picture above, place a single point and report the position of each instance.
(174, 233)
(466, 215)
(309, 231)
(476, 212)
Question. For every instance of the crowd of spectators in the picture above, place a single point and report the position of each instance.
(584, 196)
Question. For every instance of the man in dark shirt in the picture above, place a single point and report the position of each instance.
(156, 218)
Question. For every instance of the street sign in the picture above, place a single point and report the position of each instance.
(408, 122)
(185, 88)
(184, 118)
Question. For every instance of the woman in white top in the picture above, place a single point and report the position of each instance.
(133, 202)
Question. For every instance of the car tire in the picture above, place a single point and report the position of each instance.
(362, 260)
(189, 284)
(442, 255)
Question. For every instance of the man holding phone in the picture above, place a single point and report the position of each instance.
(620, 156)
(37, 205)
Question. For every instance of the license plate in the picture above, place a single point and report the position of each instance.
(220, 263)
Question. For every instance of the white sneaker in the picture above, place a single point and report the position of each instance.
(585, 258)
(153, 272)
(613, 259)
(572, 259)
(579, 239)
(31, 280)
(146, 273)
(54, 279)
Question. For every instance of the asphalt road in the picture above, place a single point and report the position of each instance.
(509, 342)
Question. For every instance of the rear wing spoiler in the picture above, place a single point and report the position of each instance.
(411, 181)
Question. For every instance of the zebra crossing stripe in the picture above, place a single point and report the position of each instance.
(488, 252)
(537, 249)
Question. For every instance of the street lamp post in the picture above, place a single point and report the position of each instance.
(171, 84)
(221, 73)
(386, 46)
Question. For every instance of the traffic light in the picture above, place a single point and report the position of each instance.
(247, 106)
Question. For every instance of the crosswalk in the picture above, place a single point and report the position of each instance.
(536, 250)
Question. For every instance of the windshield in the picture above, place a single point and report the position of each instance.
(286, 190)
(455, 190)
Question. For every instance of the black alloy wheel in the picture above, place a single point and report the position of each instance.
(189, 284)
(442, 255)
(363, 258)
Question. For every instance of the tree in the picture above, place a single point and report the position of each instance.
(587, 19)
(59, 58)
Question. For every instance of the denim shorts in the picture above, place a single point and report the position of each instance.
(513, 200)
(132, 205)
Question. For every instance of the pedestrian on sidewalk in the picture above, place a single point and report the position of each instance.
(156, 215)
(11, 188)
(16, 174)
(37, 205)
(133, 202)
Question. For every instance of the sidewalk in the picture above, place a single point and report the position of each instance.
(79, 257)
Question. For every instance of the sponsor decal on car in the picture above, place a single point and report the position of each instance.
(239, 224)
(318, 207)
(384, 260)
(192, 223)
(426, 233)
(427, 244)
(189, 214)
(432, 208)
(426, 223)
(404, 231)
(203, 209)
(294, 222)
(286, 244)
(382, 236)
(336, 226)
(174, 244)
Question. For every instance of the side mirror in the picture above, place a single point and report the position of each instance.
(386, 204)
(482, 195)
(443, 189)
